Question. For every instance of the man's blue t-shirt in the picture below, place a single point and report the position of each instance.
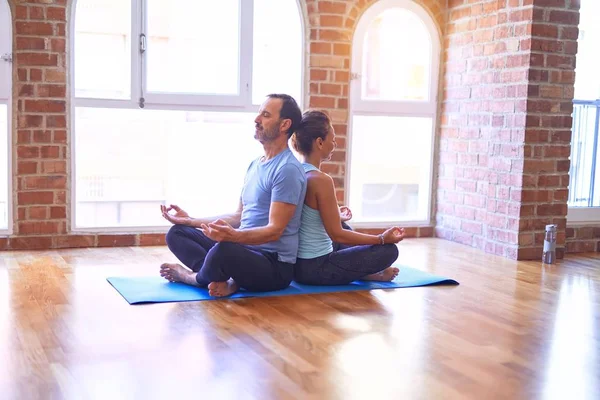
(280, 179)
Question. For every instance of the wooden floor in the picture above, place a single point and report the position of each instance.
(511, 330)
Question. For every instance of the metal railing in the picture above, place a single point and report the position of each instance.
(584, 154)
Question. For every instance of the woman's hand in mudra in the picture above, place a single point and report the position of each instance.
(345, 214)
(393, 235)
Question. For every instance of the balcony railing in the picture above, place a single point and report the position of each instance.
(584, 189)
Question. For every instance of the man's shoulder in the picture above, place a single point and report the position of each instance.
(252, 163)
(290, 158)
(290, 164)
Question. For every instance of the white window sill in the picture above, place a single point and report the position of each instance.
(583, 216)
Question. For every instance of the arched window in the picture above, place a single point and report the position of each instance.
(5, 89)
(166, 92)
(395, 68)
(584, 185)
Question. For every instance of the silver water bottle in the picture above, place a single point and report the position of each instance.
(549, 255)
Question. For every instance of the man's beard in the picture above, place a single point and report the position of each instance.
(266, 135)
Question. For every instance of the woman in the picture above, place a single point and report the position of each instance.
(329, 254)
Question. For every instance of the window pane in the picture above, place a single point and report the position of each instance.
(103, 49)
(396, 58)
(390, 182)
(3, 166)
(128, 162)
(193, 46)
(587, 81)
(277, 63)
(584, 186)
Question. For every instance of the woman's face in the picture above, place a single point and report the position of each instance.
(328, 145)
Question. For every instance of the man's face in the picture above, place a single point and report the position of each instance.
(268, 121)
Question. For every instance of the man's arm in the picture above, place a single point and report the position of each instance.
(280, 215)
(233, 219)
(286, 195)
(182, 218)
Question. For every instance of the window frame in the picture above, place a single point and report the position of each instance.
(242, 102)
(583, 216)
(6, 98)
(390, 108)
(245, 49)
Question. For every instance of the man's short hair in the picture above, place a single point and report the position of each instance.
(289, 110)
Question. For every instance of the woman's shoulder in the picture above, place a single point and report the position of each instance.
(318, 178)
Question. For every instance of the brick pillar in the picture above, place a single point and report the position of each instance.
(40, 137)
(553, 46)
(505, 132)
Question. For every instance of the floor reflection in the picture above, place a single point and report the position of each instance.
(573, 367)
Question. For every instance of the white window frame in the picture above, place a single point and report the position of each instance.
(242, 98)
(362, 107)
(242, 102)
(583, 216)
(5, 98)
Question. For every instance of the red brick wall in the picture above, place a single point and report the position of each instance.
(40, 139)
(506, 119)
(583, 239)
(483, 118)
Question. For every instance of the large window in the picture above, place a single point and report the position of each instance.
(584, 186)
(393, 112)
(5, 84)
(166, 92)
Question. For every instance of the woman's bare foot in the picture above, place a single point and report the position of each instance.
(178, 273)
(386, 275)
(222, 289)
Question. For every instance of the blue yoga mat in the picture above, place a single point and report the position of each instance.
(155, 289)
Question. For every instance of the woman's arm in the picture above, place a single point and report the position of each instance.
(324, 189)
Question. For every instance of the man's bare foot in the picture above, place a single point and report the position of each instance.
(178, 273)
(386, 275)
(222, 289)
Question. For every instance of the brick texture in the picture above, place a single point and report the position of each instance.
(40, 139)
(505, 126)
(483, 119)
(547, 140)
(583, 239)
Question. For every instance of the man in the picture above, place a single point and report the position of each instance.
(254, 248)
